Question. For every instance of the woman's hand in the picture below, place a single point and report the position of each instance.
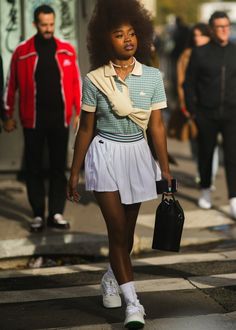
(185, 112)
(82, 141)
(72, 189)
(168, 177)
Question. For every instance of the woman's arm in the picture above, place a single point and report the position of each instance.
(181, 67)
(82, 142)
(190, 82)
(157, 132)
(180, 71)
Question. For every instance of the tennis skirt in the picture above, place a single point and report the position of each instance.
(122, 163)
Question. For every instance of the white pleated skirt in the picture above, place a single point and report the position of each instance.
(127, 167)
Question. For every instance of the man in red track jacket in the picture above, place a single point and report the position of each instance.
(44, 69)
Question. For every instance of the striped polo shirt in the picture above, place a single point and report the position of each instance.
(144, 85)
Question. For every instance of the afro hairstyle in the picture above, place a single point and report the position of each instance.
(110, 14)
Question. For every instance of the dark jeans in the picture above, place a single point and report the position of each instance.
(207, 139)
(35, 140)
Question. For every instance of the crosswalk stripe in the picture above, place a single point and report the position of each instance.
(89, 290)
(186, 258)
(157, 260)
(62, 270)
(196, 218)
(159, 284)
(199, 322)
(213, 281)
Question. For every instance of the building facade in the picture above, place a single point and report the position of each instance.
(16, 16)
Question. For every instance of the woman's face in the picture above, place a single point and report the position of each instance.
(199, 38)
(124, 42)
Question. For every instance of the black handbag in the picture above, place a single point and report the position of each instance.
(169, 223)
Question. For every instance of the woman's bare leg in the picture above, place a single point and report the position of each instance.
(131, 212)
(120, 221)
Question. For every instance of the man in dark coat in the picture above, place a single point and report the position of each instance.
(210, 92)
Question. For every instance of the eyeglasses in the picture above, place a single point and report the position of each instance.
(222, 26)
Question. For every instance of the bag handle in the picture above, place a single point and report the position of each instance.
(171, 195)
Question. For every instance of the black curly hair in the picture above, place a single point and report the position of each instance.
(110, 14)
(203, 28)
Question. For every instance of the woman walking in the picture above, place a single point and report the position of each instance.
(122, 98)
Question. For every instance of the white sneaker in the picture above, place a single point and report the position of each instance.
(57, 221)
(134, 316)
(204, 201)
(197, 179)
(213, 188)
(232, 203)
(110, 292)
(36, 224)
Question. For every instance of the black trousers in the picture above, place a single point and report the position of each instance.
(207, 140)
(35, 141)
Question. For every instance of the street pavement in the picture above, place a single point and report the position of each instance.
(193, 289)
(87, 235)
(180, 292)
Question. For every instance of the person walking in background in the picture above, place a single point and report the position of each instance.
(199, 36)
(180, 36)
(1, 89)
(121, 98)
(45, 71)
(210, 89)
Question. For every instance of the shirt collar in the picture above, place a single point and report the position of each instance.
(110, 71)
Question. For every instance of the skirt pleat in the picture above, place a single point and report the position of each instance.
(127, 167)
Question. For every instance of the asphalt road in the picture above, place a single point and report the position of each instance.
(193, 289)
(188, 290)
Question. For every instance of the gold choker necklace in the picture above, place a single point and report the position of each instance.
(123, 66)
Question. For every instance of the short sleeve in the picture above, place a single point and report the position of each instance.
(89, 96)
(159, 96)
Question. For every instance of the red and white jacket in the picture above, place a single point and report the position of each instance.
(22, 76)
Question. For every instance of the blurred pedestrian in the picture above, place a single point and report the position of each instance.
(210, 89)
(154, 58)
(1, 89)
(121, 97)
(45, 71)
(154, 62)
(199, 36)
(180, 37)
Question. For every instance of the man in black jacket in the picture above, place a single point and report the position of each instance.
(210, 92)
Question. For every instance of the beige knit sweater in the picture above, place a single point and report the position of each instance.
(120, 102)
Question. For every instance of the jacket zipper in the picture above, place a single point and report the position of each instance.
(222, 91)
(222, 87)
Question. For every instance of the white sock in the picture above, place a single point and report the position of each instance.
(129, 293)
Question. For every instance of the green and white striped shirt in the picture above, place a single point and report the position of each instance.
(144, 85)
